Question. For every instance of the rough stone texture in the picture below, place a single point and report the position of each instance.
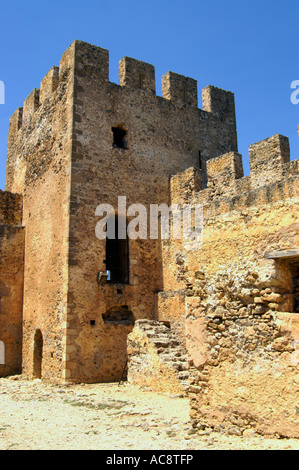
(156, 358)
(80, 141)
(61, 158)
(241, 329)
(11, 206)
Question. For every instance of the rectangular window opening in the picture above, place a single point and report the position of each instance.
(119, 137)
(117, 258)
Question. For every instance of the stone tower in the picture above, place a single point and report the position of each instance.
(77, 142)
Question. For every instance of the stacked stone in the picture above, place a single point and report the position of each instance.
(168, 347)
(239, 315)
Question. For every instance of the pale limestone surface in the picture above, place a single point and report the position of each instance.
(36, 416)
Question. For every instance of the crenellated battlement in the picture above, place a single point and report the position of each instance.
(267, 159)
(31, 104)
(218, 101)
(81, 83)
(35, 100)
(15, 122)
(137, 75)
(87, 60)
(179, 88)
(273, 177)
(224, 170)
(49, 83)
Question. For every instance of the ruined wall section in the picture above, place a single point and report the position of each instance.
(163, 135)
(38, 167)
(273, 178)
(241, 330)
(156, 359)
(11, 283)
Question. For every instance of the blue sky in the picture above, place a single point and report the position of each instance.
(250, 48)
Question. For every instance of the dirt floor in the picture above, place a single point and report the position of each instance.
(39, 416)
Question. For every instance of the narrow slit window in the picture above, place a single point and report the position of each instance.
(119, 137)
(199, 160)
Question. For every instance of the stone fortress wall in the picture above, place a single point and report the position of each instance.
(80, 141)
(223, 317)
(238, 293)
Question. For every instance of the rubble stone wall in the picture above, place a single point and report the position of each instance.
(156, 358)
(241, 331)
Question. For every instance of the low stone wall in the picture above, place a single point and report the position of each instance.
(156, 358)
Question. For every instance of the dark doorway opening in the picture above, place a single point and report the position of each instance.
(37, 355)
(295, 286)
(117, 255)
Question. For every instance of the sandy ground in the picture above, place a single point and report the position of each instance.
(39, 416)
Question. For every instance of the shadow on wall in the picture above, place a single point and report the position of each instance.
(37, 355)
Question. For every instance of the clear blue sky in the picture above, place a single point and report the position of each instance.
(250, 48)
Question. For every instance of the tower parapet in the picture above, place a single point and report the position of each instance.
(90, 61)
(218, 101)
(15, 122)
(178, 88)
(273, 177)
(224, 170)
(49, 83)
(267, 159)
(31, 104)
(136, 74)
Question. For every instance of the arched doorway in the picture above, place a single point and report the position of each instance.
(37, 355)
